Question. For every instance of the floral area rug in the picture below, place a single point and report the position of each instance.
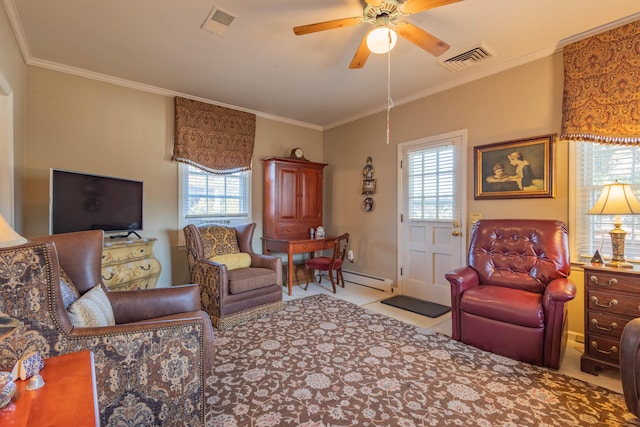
(322, 361)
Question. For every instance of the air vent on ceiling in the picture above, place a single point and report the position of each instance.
(468, 58)
(218, 21)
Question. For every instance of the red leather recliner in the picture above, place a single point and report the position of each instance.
(511, 297)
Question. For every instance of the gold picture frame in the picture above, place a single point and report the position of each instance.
(368, 186)
(514, 169)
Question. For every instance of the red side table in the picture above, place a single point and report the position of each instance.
(68, 398)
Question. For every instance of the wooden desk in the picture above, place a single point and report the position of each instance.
(295, 246)
(68, 397)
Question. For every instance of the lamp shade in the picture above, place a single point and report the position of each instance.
(616, 199)
(381, 40)
(8, 237)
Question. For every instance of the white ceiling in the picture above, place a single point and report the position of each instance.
(259, 65)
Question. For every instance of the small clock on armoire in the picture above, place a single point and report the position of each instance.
(297, 153)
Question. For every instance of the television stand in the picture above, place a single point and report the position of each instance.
(129, 264)
(119, 236)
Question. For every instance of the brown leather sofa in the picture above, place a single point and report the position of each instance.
(231, 296)
(630, 365)
(511, 297)
(150, 366)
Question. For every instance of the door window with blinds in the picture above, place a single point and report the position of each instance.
(597, 165)
(208, 197)
(430, 190)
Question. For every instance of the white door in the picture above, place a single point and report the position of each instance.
(432, 200)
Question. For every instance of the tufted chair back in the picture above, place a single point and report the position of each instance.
(511, 297)
(519, 254)
(218, 240)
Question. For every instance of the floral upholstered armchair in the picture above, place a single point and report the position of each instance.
(150, 361)
(236, 284)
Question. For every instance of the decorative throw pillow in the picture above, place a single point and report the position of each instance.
(92, 309)
(218, 240)
(233, 261)
(68, 290)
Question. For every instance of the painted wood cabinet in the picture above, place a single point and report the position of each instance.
(129, 264)
(292, 197)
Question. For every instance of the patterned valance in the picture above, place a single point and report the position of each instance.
(602, 87)
(212, 138)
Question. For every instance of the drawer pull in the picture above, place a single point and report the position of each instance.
(612, 350)
(612, 326)
(609, 283)
(612, 303)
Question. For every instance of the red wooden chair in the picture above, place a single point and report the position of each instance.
(330, 264)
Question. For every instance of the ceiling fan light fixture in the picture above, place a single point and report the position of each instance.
(381, 40)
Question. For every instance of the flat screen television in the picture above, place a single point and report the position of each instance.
(81, 201)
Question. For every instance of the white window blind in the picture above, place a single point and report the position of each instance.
(430, 179)
(599, 164)
(207, 196)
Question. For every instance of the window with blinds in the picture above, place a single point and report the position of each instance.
(599, 164)
(430, 184)
(210, 197)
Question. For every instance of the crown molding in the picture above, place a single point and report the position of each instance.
(18, 31)
(602, 28)
(470, 77)
(16, 25)
(158, 90)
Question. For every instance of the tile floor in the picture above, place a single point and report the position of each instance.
(370, 298)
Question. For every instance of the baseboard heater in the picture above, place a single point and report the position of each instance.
(368, 280)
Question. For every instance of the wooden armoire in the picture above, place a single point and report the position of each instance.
(292, 197)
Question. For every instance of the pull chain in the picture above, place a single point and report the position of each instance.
(389, 100)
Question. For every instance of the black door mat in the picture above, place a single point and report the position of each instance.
(425, 308)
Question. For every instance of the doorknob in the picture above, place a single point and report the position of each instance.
(455, 233)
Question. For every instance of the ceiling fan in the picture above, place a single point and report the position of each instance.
(385, 14)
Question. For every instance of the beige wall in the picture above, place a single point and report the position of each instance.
(13, 87)
(519, 103)
(89, 126)
(80, 124)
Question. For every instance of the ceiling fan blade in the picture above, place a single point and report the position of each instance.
(374, 3)
(362, 54)
(327, 25)
(413, 6)
(421, 38)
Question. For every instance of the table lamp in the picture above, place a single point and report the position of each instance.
(8, 236)
(616, 199)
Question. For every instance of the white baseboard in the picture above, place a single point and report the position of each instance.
(368, 280)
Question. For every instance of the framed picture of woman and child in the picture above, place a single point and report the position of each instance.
(514, 169)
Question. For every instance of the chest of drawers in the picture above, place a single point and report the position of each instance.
(612, 299)
(129, 264)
